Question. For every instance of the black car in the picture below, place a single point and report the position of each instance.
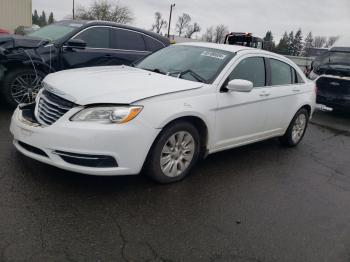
(331, 71)
(25, 60)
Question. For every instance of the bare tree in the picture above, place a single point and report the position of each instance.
(319, 41)
(159, 23)
(209, 35)
(182, 23)
(220, 32)
(331, 40)
(104, 10)
(191, 29)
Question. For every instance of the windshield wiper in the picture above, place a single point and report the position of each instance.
(192, 73)
(155, 70)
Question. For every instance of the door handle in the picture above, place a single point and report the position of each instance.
(296, 90)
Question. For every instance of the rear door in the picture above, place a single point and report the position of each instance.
(286, 85)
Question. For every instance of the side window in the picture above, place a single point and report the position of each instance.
(152, 44)
(281, 73)
(127, 40)
(95, 37)
(251, 69)
(299, 79)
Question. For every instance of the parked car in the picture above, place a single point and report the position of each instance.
(331, 71)
(4, 32)
(26, 60)
(176, 106)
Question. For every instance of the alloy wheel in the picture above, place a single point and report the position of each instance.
(25, 87)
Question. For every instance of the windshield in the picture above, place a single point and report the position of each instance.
(192, 63)
(53, 32)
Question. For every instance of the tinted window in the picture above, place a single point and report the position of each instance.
(281, 73)
(152, 44)
(251, 69)
(127, 40)
(96, 37)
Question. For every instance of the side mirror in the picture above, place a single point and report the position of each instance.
(240, 85)
(76, 43)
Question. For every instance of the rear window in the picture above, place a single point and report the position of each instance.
(127, 40)
(281, 73)
(152, 44)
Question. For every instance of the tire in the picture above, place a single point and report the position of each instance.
(177, 161)
(21, 86)
(296, 129)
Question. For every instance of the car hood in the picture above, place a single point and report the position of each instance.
(113, 84)
(19, 41)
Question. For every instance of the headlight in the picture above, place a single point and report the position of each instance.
(108, 114)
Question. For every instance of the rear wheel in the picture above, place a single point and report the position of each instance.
(296, 129)
(21, 86)
(174, 153)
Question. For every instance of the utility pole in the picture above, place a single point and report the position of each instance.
(73, 10)
(171, 10)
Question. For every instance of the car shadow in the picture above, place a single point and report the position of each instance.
(227, 166)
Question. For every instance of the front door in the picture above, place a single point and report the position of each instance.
(96, 53)
(240, 116)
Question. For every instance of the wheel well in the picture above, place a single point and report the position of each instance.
(200, 126)
(19, 64)
(308, 108)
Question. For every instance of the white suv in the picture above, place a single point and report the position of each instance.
(175, 106)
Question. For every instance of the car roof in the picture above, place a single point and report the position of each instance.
(238, 48)
(225, 47)
(86, 23)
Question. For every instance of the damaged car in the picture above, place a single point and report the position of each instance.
(171, 109)
(26, 60)
(331, 71)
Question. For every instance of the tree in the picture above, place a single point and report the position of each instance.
(51, 19)
(42, 19)
(331, 40)
(282, 47)
(209, 35)
(298, 43)
(104, 10)
(191, 29)
(268, 41)
(219, 33)
(182, 23)
(290, 43)
(319, 41)
(35, 18)
(308, 43)
(159, 23)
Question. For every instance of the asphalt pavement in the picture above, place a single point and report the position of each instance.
(258, 203)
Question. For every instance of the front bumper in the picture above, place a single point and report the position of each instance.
(58, 144)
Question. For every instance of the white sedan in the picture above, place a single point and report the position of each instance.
(177, 105)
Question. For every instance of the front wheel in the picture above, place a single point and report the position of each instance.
(296, 129)
(21, 86)
(174, 153)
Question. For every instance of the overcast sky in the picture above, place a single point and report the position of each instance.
(322, 17)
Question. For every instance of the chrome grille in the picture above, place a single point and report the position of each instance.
(51, 107)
